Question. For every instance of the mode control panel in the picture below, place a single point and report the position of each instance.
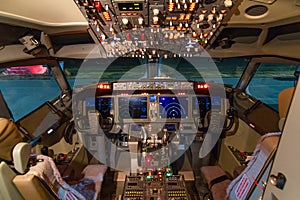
(153, 85)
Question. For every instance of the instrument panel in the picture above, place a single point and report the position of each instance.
(161, 102)
(131, 27)
(136, 107)
(148, 117)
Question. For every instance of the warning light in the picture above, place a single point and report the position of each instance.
(171, 6)
(98, 6)
(192, 6)
(188, 16)
(103, 86)
(202, 86)
(106, 16)
(181, 17)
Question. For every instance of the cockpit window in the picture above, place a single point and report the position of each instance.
(269, 80)
(27, 87)
(227, 71)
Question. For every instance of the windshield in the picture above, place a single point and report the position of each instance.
(227, 71)
(27, 87)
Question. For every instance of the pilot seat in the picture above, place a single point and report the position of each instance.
(222, 186)
(24, 176)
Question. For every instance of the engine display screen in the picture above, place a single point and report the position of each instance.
(133, 108)
(130, 7)
(103, 104)
(172, 107)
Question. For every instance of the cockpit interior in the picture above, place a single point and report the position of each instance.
(149, 99)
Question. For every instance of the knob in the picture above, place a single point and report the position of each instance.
(125, 21)
(228, 3)
(140, 20)
(155, 20)
(278, 181)
(155, 11)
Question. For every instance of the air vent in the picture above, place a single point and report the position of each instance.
(257, 10)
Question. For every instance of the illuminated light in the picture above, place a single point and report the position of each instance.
(174, 18)
(194, 34)
(155, 11)
(181, 17)
(188, 16)
(102, 86)
(49, 131)
(202, 86)
(223, 11)
(205, 35)
(85, 3)
(106, 16)
(201, 17)
(171, 6)
(204, 11)
(97, 5)
(168, 174)
(148, 177)
(214, 10)
(125, 21)
(140, 20)
(155, 20)
(168, 18)
(192, 6)
(185, 6)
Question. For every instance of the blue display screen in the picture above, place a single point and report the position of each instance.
(172, 107)
(133, 107)
(201, 104)
(103, 104)
(170, 127)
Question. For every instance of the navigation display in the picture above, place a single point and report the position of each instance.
(172, 107)
(133, 107)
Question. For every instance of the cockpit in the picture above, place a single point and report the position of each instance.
(153, 99)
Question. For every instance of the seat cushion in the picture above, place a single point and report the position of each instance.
(215, 178)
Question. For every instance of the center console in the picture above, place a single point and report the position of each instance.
(158, 185)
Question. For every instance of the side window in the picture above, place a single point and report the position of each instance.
(269, 80)
(27, 87)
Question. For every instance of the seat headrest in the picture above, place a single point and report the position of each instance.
(284, 100)
(9, 137)
(21, 155)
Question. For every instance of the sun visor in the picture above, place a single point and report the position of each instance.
(49, 16)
